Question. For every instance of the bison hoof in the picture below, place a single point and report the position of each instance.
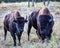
(19, 44)
(4, 39)
(14, 44)
(28, 39)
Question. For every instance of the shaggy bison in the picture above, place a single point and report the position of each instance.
(14, 23)
(43, 22)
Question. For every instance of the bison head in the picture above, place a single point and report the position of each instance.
(19, 24)
(19, 21)
(44, 24)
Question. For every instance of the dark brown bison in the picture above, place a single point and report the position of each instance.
(43, 22)
(14, 23)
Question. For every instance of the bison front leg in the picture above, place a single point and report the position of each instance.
(49, 35)
(29, 28)
(38, 34)
(14, 38)
(19, 38)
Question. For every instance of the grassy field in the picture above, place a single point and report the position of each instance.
(34, 41)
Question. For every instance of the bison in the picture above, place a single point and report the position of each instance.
(14, 23)
(42, 21)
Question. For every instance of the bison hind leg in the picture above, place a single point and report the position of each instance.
(5, 33)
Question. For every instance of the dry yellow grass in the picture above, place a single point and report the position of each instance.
(57, 12)
(34, 41)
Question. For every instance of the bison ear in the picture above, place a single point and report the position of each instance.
(26, 20)
(51, 19)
